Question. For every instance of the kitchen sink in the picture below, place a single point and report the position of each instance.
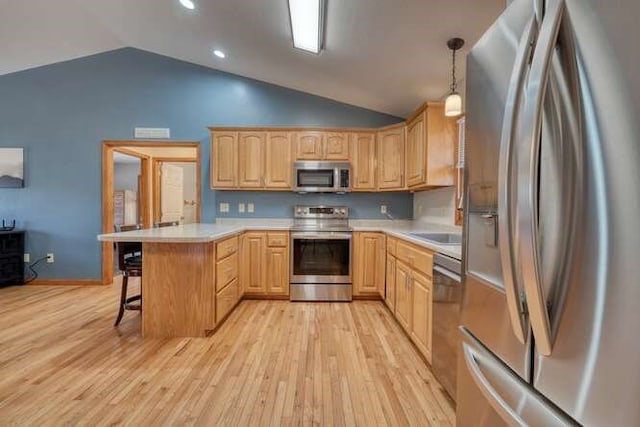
(440, 238)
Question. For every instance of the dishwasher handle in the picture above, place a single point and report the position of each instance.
(450, 274)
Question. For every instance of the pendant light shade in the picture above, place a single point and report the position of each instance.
(453, 104)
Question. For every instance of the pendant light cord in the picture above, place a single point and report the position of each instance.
(453, 72)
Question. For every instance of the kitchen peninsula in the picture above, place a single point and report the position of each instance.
(192, 277)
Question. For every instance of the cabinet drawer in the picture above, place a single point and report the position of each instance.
(392, 245)
(225, 300)
(227, 247)
(418, 258)
(279, 239)
(226, 271)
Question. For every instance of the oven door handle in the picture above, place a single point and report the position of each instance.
(321, 236)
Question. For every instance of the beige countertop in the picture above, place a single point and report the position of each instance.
(202, 233)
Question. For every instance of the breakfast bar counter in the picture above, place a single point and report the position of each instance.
(190, 277)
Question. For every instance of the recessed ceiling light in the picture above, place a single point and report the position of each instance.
(188, 4)
(219, 53)
(307, 24)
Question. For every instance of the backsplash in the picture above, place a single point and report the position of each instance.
(435, 206)
(280, 205)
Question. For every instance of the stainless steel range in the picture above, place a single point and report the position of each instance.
(321, 254)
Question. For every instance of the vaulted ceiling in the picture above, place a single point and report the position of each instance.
(386, 55)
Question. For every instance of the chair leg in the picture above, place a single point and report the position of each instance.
(123, 299)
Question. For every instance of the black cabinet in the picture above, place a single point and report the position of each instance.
(11, 258)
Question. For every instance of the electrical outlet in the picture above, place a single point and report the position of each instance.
(383, 209)
(27, 258)
(250, 208)
(224, 207)
(241, 207)
(50, 258)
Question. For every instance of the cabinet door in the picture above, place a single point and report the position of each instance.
(391, 159)
(403, 295)
(224, 159)
(278, 160)
(369, 269)
(417, 151)
(363, 161)
(441, 139)
(309, 145)
(390, 283)
(253, 262)
(277, 271)
(251, 159)
(422, 312)
(336, 146)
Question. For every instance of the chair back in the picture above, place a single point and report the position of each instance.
(126, 250)
(165, 224)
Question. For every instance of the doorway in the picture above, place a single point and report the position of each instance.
(182, 192)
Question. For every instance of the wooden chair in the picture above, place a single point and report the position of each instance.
(130, 264)
(165, 224)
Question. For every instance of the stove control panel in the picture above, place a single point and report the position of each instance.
(321, 212)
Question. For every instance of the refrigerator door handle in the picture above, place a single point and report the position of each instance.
(529, 161)
(505, 226)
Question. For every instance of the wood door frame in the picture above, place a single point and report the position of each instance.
(108, 148)
(156, 161)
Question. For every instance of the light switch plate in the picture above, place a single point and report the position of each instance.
(27, 258)
(383, 209)
(241, 207)
(224, 207)
(250, 208)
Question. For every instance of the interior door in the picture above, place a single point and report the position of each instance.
(171, 193)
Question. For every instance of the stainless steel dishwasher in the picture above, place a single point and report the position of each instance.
(447, 298)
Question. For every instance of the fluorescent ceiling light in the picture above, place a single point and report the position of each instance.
(307, 24)
(219, 53)
(188, 4)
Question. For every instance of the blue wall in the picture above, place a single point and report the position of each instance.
(280, 205)
(62, 112)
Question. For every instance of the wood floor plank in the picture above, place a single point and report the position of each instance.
(271, 363)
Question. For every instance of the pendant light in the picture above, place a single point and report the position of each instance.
(453, 104)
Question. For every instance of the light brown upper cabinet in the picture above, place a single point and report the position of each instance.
(277, 171)
(309, 145)
(251, 159)
(363, 161)
(391, 158)
(336, 146)
(224, 159)
(430, 148)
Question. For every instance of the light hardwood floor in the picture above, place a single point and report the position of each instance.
(271, 363)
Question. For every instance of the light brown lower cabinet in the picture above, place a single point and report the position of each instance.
(226, 277)
(412, 301)
(404, 303)
(422, 312)
(264, 263)
(368, 264)
(390, 283)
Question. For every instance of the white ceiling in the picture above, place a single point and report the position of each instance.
(387, 55)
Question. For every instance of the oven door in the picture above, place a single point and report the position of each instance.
(321, 257)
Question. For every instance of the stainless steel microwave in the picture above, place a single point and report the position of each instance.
(322, 177)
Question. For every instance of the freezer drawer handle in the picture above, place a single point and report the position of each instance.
(529, 161)
(507, 393)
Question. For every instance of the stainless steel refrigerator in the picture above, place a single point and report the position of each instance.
(550, 321)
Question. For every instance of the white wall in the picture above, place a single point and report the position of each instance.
(125, 176)
(435, 206)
